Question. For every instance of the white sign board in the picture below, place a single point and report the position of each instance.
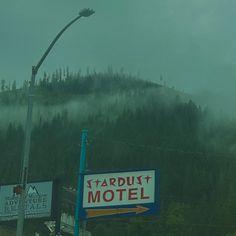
(121, 188)
(38, 201)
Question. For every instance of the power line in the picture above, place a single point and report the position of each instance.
(190, 224)
(161, 148)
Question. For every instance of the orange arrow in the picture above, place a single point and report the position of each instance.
(114, 211)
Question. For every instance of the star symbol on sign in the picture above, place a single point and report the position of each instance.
(147, 178)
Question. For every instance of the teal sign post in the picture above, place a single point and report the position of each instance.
(80, 179)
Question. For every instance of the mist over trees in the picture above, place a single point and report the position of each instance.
(132, 124)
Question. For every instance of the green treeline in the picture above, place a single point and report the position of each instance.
(63, 85)
(195, 153)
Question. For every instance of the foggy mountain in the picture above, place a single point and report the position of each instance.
(132, 124)
(81, 96)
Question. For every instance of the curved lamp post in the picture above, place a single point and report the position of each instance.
(25, 163)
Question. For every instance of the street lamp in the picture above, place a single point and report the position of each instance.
(25, 163)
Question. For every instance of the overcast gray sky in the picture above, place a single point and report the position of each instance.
(190, 42)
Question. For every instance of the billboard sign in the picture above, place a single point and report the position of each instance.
(38, 201)
(119, 194)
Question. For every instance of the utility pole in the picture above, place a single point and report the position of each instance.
(25, 164)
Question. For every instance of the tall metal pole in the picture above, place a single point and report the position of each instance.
(80, 177)
(57, 203)
(28, 125)
(25, 164)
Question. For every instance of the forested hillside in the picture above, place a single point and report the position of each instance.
(131, 124)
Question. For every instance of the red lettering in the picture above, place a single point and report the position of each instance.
(112, 181)
(89, 183)
(142, 194)
(97, 182)
(92, 198)
(120, 193)
(132, 194)
(139, 178)
(121, 181)
(130, 180)
(106, 197)
(104, 183)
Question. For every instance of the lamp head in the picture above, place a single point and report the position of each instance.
(86, 12)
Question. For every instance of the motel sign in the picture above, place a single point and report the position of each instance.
(119, 194)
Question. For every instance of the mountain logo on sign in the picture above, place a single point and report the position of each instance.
(32, 190)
